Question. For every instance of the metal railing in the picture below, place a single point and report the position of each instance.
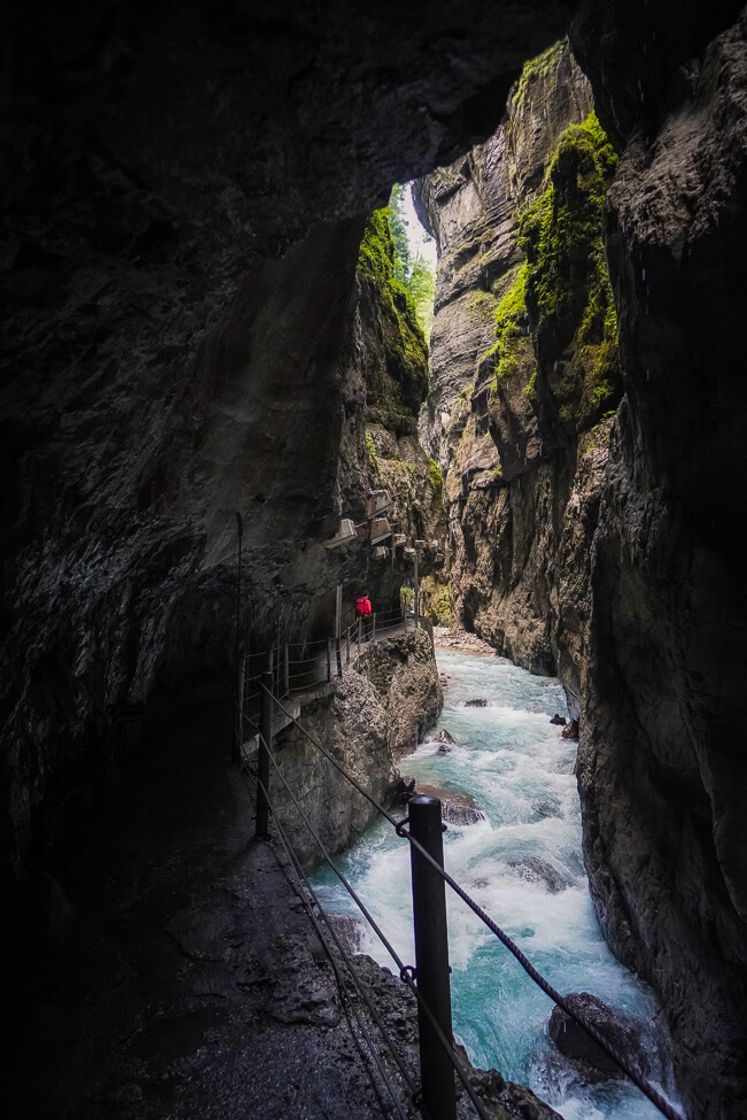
(298, 668)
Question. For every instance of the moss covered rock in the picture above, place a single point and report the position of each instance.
(397, 375)
(567, 290)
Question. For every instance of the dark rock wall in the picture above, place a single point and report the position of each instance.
(180, 192)
(614, 558)
(661, 763)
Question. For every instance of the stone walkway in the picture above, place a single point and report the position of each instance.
(190, 982)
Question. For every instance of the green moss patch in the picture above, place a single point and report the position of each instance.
(510, 329)
(436, 478)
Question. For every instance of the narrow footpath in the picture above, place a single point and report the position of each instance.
(189, 981)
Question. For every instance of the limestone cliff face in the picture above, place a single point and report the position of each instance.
(514, 410)
(662, 770)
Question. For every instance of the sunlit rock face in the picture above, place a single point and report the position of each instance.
(523, 458)
(184, 192)
(662, 770)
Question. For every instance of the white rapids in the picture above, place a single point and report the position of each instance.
(523, 865)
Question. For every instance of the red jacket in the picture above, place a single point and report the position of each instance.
(363, 606)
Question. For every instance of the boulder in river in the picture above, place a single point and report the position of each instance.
(457, 808)
(536, 870)
(558, 720)
(445, 741)
(403, 790)
(623, 1033)
(478, 703)
(570, 731)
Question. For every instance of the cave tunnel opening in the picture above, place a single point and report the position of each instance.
(180, 261)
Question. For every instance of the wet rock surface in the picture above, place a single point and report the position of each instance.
(536, 870)
(445, 741)
(456, 807)
(658, 762)
(460, 640)
(623, 1034)
(403, 671)
(190, 981)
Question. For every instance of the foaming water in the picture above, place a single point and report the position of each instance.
(523, 865)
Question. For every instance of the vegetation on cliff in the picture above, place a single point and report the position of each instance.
(568, 292)
(534, 70)
(562, 290)
(510, 328)
(412, 271)
(398, 384)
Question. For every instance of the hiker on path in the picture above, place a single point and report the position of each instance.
(364, 611)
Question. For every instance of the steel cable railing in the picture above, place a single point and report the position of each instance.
(293, 675)
(404, 970)
(642, 1083)
(301, 876)
(384, 620)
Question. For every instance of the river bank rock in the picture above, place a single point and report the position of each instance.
(403, 672)
(572, 1040)
(477, 703)
(350, 930)
(353, 725)
(446, 638)
(456, 807)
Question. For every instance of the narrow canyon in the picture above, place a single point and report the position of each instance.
(237, 404)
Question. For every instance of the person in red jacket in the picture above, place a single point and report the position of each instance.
(364, 610)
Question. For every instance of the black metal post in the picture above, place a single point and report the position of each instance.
(338, 655)
(238, 731)
(431, 958)
(263, 758)
(329, 659)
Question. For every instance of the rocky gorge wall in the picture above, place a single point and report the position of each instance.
(375, 715)
(184, 202)
(513, 411)
(597, 545)
(661, 772)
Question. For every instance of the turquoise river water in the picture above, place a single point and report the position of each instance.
(520, 771)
